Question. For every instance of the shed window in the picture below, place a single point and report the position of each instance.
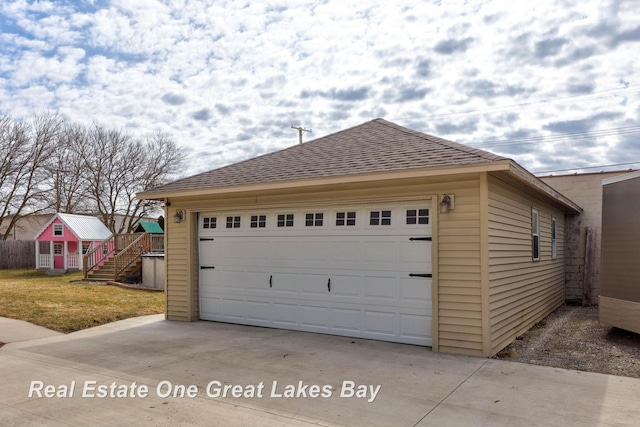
(535, 234)
(314, 220)
(554, 253)
(380, 218)
(258, 221)
(417, 216)
(285, 220)
(233, 222)
(345, 218)
(209, 222)
(57, 248)
(58, 230)
(86, 247)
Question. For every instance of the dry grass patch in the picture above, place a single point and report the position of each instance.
(55, 303)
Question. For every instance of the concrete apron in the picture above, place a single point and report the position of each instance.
(416, 387)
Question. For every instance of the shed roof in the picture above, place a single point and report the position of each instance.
(149, 227)
(88, 228)
(374, 146)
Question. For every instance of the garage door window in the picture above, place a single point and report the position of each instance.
(314, 219)
(233, 222)
(380, 218)
(258, 221)
(345, 218)
(417, 216)
(285, 220)
(209, 222)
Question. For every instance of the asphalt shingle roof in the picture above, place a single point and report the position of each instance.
(374, 146)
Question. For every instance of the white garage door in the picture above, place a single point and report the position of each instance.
(360, 271)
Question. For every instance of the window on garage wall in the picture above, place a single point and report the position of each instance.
(417, 216)
(209, 222)
(345, 219)
(314, 219)
(233, 222)
(554, 253)
(535, 234)
(285, 220)
(380, 218)
(258, 221)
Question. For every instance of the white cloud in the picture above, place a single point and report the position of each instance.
(229, 77)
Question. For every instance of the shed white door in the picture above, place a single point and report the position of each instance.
(361, 271)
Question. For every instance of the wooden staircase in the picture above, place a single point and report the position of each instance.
(124, 260)
(107, 272)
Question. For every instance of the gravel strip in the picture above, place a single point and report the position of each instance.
(573, 338)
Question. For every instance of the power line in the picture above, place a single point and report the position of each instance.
(563, 137)
(588, 167)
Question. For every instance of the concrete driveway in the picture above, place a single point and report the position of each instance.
(148, 371)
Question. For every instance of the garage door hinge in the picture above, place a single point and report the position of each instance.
(420, 275)
(205, 267)
(428, 239)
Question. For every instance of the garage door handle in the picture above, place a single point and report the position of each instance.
(271, 281)
(204, 267)
(420, 275)
(329, 285)
(428, 239)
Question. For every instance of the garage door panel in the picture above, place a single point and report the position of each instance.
(415, 326)
(380, 288)
(415, 289)
(285, 314)
(379, 323)
(315, 317)
(347, 286)
(279, 276)
(347, 320)
(259, 312)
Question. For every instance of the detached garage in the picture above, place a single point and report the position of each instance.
(377, 232)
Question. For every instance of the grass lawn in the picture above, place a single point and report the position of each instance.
(66, 307)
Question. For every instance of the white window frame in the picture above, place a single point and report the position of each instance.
(59, 227)
(554, 238)
(58, 248)
(535, 234)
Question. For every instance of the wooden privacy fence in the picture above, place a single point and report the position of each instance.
(17, 254)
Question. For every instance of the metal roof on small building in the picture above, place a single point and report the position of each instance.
(86, 228)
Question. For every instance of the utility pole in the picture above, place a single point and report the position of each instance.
(300, 131)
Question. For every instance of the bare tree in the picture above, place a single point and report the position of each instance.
(24, 151)
(66, 172)
(118, 167)
(49, 165)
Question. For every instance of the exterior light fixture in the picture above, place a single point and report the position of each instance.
(179, 216)
(446, 203)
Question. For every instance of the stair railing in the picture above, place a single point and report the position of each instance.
(98, 255)
(130, 253)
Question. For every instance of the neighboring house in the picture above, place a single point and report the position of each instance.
(26, 227)
(378, 232)
(583, 233)
(620, 294)
(63, 240)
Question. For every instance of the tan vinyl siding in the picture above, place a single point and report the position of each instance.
(521, 290)
(176, 259)
(459, 285)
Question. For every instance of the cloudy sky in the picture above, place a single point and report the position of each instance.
(553, 84)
